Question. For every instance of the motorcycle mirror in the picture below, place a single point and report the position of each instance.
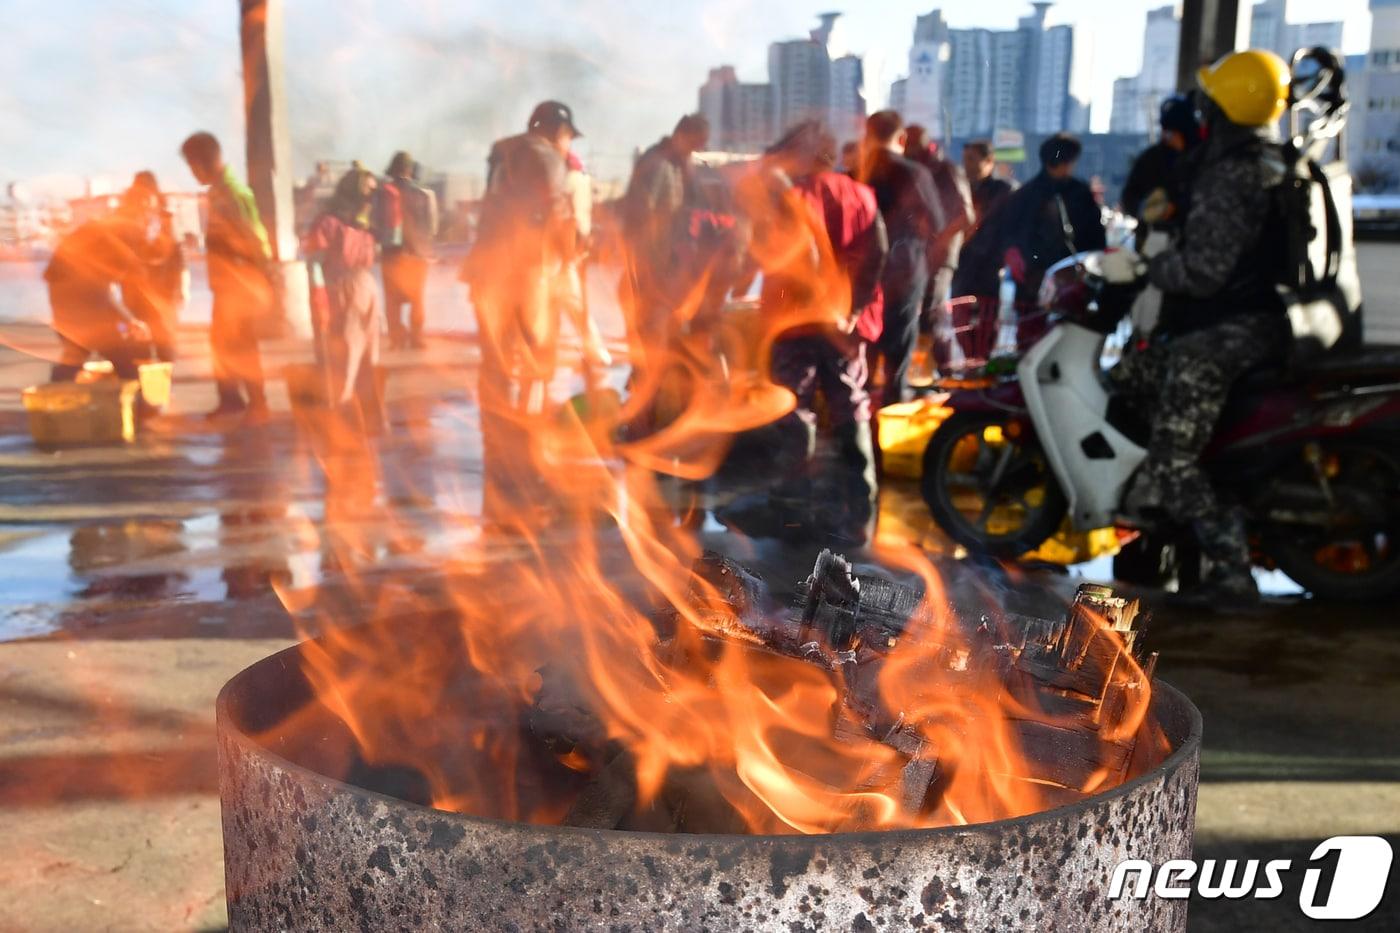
(1317, 100)
(1317, 76)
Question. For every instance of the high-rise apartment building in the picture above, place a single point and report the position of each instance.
(806, 81)
(1137, 100)
(1375, 148)
(799, 71)
(923, 93)
(973, 82)
(846, 104)
(1269, 28)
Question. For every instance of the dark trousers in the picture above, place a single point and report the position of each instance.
(405, 281)
(906, 280)
(233, 340)
(1182, 386)
(808, 365)
(836, 368)
(518, 327)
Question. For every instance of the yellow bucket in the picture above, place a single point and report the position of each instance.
(155, 377)
(905, 429)
(65, 414)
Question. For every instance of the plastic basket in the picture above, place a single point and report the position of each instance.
(66, 414)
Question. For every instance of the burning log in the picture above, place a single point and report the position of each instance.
(606, 801)
(1063, 691)
(838, 605)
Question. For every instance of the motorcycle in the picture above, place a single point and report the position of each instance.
(1310, 451)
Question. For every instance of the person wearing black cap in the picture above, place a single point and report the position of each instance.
(406, 221)
(1055, 215)
(1153, 192)
(525, 237)
(976, 304)
(654, 211)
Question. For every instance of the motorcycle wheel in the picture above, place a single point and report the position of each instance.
(1355, 556)
(989, 490)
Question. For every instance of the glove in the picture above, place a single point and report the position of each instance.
(1158, 207)
(1122, 267)
(1157, 242)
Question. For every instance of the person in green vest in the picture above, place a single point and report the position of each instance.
(239, 257)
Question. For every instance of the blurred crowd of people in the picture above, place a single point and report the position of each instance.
(864, 253)
(860, 254)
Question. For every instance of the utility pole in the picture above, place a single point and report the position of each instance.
(1209, 30)
(269, 145)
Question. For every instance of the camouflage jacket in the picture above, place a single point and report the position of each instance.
(1228, 255)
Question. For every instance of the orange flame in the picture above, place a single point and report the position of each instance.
(577, 601)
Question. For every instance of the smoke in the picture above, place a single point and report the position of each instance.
(445, 88)
(107, 89)
(443, 97)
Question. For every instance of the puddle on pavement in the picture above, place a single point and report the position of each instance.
(49, 576)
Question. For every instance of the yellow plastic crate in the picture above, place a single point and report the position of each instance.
(905, 429)
(65, 414)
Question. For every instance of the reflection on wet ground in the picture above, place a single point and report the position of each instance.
(192, 517)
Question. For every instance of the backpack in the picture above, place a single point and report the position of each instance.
(1319, 283)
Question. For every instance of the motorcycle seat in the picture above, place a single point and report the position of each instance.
(1379, 364)
(1365, 365)
(1263, 378)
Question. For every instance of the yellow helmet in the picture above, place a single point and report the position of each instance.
(1251, 87)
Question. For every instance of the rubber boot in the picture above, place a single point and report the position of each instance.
(1229, 587)
(858, 487)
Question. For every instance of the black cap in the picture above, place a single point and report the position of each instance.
(551, 115)
(1179, 114)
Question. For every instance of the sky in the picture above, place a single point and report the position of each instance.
(94, 87)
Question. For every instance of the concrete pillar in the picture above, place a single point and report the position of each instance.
(1209, 29)
(270, 150)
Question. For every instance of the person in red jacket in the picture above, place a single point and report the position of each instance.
(837, 305)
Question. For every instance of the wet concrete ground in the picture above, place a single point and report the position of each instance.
(134, 581)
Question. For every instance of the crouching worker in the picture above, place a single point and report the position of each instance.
(342, 247)
(88, 267)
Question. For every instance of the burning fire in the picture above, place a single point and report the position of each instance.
(589, 672)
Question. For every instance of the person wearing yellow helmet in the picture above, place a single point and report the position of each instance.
(1250, 87)
(1221, 313)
